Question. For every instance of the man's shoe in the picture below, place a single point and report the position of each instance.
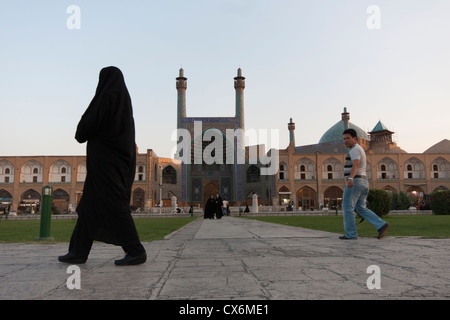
(345, 238)
(131, 261)
(71, 258)
(383, 230)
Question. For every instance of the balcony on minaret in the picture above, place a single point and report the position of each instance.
(181, 81)
(291, 127)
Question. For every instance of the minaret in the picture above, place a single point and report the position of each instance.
(181, 102)
(239, 85)
(291, 127)
(346, 118)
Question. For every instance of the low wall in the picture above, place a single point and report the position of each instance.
(234, 212)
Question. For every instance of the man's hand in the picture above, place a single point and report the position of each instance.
(349, 184)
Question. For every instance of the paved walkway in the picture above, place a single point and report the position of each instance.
(236, 258)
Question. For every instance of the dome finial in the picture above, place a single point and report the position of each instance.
(346, 117)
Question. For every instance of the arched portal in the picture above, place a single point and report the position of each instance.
(61, 200)
(169, 175)
(416, 193)
(333, 198)
(306, 198)
(5, 200)
(30, 201)
(138, 198)
(210, 187)
(285, 196)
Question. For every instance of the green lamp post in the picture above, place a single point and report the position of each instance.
(46, 214)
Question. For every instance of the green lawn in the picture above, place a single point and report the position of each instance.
(425, 226)
(149, 229)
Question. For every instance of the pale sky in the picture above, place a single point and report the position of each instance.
(305, 60)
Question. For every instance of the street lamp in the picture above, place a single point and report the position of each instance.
(46, 213)
(160, 190)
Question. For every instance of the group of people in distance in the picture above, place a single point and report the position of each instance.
(214, 206)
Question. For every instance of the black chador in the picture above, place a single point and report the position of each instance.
(209, 208)
(218, 203)
(104, 209)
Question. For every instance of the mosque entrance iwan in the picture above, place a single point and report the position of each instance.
(210, 187)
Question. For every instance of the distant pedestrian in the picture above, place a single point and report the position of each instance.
(224, 208)
(104, 210)
(7, 210)
(357, 189)
(218, 203)
(209, 208)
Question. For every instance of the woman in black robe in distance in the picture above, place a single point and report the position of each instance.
(104, 209)
(218, 203)
(209, 208)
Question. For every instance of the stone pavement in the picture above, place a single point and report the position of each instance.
(236, 258)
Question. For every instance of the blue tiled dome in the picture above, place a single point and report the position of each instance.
(336, 131)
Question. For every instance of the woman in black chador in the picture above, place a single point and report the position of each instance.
(209, 208)
(104, 209)
(218, 203)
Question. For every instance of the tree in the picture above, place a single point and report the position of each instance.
(401, 201)
(379, 201)
(440, 202)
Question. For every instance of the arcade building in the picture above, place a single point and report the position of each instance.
(308, 177)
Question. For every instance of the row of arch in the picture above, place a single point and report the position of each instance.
(332, 168)
(29, 201)
(306, 197)
(60, 171)
(304, 169)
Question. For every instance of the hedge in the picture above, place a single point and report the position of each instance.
(401, 201)
(440, 202)
(379, 201)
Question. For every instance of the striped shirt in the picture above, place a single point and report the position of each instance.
(356, 153)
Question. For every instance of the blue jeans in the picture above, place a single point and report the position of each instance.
(355, 199)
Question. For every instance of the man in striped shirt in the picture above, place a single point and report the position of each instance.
(357, 189)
